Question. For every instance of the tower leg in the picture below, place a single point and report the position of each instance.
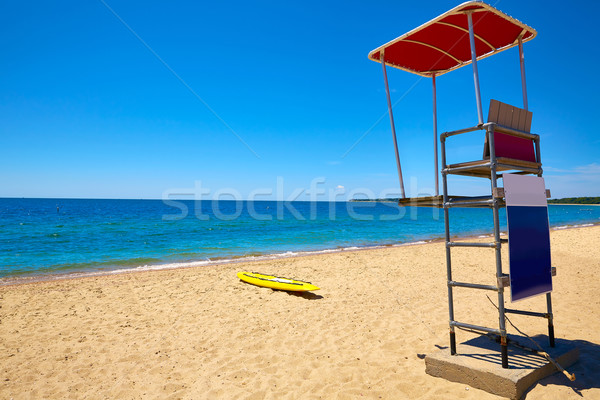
(452, 342)
(504, 351)
(550, 319)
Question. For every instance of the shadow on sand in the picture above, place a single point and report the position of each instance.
(586, 370)
(305, 295)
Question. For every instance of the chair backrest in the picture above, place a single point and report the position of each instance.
(506, 145)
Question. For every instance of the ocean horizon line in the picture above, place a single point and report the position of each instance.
(391, 200)
(184, 199)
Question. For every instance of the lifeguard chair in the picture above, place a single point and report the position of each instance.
(460, 37)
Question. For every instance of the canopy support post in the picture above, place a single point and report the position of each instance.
(389, 102)
(435, 148)
(523, 82)
(475, 71)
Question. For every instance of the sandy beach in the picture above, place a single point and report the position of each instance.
(202, 333)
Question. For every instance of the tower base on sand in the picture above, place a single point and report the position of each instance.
(478, 364)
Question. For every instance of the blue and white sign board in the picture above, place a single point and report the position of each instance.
(528, 236)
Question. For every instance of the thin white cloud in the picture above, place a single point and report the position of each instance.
(589, 169)
(593, 168)
(582, 180)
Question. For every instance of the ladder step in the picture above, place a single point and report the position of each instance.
(472, 285)
(470, 244)
(478, 203)
(475, 327)
(529, 313)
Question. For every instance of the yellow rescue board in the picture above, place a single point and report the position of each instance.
(274, 282)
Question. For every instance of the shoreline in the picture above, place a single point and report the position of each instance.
(15, 281)
(51, 277)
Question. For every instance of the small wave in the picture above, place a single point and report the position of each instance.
(127, 266)
(560, 227)
(411, 243)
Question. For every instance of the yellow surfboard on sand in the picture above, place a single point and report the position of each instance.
(275, 282)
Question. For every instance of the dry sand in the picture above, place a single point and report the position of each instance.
(201, 333)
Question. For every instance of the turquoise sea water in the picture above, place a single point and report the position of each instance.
(47, 237)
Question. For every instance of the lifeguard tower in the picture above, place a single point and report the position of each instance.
(462, 36)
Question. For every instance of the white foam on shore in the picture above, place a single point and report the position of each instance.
(189, 264)
(572, 226)
(410, 243)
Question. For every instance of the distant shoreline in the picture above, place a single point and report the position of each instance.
(574, 204)
(552, 204)
(566, 201)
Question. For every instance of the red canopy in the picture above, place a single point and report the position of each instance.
(442, 44)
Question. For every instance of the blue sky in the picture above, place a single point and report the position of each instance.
(238, 96)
